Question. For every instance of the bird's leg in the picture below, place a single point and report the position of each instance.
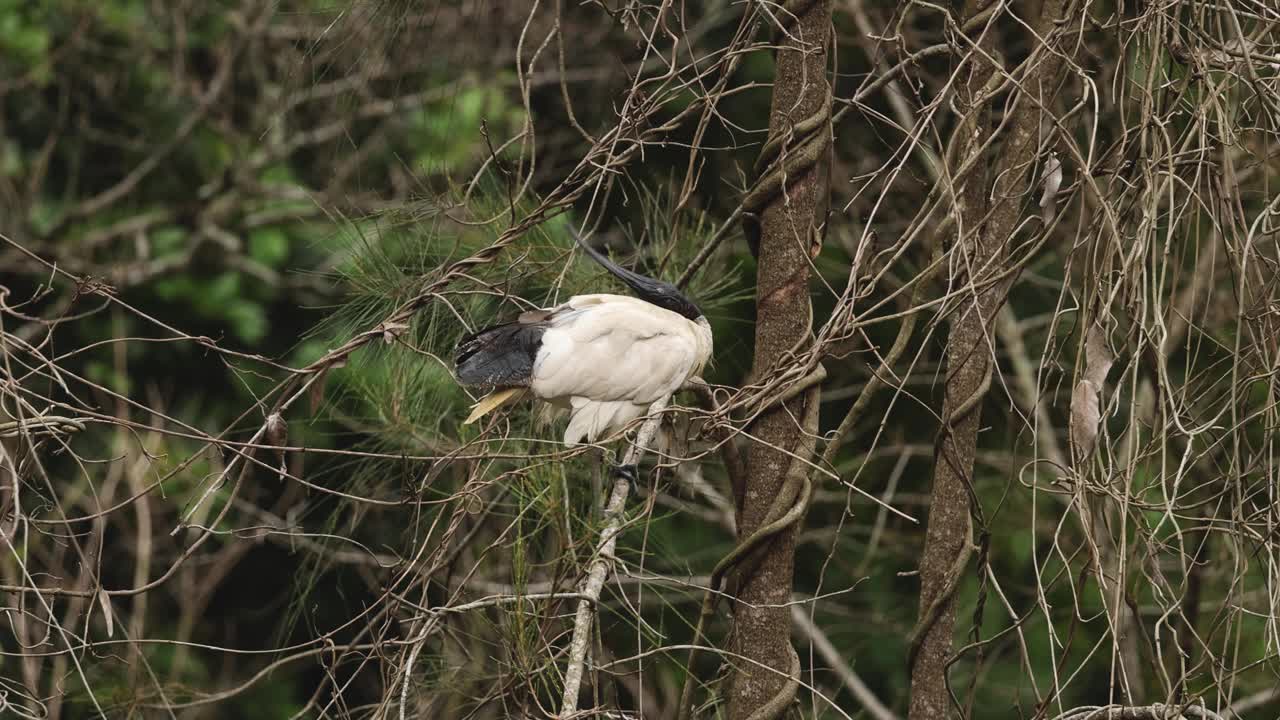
(627, 466)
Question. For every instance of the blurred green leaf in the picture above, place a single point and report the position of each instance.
(10, 158)
(269, 246)
(248, 320)
(168, 241)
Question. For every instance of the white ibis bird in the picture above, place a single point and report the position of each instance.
(606, 358)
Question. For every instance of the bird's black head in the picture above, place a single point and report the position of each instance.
(656, 292)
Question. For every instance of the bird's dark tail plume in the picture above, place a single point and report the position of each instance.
(499, 356)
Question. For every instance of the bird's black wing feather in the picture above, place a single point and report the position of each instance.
(501, 355)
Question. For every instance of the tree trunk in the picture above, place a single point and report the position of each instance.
(983, 231)
(789, 210)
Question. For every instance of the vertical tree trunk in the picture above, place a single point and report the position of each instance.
(790, 202)
(984, 230)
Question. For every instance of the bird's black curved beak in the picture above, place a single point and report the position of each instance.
(656, 292)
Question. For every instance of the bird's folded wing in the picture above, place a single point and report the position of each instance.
(614, 352)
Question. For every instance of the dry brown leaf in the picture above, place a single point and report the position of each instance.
(277, 429)
(1086, 410)
(1085, 416)
(1052, 182)
(315, 394)
(1097, 358)
(105, 602)
(392, 330)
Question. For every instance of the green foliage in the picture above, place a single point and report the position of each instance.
(446, 133)
(269, 246)
(24, 36)
(220, 298)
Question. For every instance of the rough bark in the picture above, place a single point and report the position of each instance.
(788, 223)
(983, 230)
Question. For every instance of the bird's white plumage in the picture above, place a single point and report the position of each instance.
(609, 357)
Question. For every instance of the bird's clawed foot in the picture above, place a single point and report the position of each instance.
(628, 472)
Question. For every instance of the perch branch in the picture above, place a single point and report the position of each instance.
(599, 570)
